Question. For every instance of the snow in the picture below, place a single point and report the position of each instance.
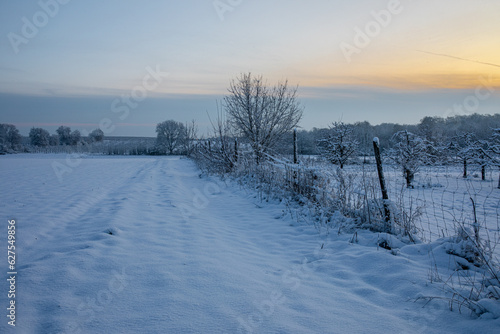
(144, 244)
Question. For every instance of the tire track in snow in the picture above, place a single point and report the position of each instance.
(213, 260)
(83, 227)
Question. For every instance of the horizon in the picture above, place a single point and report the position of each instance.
(52, 127)
(134, 65)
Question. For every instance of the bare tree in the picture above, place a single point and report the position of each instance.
(483, 155)
(218, 153)
(39, 137)
(340, 144)
(75, 137)
(409, 151)
(470, 149)
(96, 136)
(191, 133)
(261, 114)
(54, 140)
(64, 133)
(170, 136)
(461, 147)
(495, 148)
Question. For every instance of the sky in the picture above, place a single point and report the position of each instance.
(127, 65)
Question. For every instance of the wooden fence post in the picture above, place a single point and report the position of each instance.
(385, 196)
(295, 148)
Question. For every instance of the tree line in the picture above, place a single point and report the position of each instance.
(436, 130)
(11, 139)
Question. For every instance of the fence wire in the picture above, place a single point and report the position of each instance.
(440, 203)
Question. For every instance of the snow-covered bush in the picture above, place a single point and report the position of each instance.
(340, 144)
(219, 153)
(215, 156)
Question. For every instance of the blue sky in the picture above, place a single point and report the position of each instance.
(380, 61)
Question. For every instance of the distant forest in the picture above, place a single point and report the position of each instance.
(437, 130)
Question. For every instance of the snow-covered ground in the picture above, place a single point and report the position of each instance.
(441, 199)
(444, 198)
(146, 245)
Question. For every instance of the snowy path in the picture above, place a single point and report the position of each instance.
(144, 245)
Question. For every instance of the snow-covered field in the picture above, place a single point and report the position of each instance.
(444, 198)
(146, 245)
